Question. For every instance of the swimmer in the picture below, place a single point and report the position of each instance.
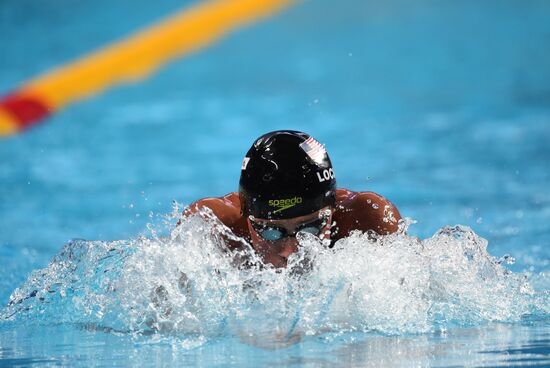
(287, 185)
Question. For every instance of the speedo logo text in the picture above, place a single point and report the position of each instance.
(284, 204)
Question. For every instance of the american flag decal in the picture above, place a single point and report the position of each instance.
(314, 149)
(245, 163)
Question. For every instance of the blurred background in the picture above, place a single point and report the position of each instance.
(443, 107)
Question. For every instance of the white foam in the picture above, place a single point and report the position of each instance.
(189, 284)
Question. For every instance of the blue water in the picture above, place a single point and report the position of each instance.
(441, 106)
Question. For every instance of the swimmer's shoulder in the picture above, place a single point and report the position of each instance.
(227, 209)
(364, 211)
(346, 197)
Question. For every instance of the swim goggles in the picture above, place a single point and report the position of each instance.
(271, 232)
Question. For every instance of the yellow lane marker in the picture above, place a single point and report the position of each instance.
(138, 56)
(8, 124)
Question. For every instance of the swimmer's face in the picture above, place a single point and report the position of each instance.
(275, 240)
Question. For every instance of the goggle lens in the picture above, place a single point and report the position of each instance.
(312, 230)
(272, 233)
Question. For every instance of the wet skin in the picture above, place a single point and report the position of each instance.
(363, 211)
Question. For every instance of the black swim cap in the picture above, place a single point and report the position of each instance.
(286, 174)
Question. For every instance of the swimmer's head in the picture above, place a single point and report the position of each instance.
(286, 174)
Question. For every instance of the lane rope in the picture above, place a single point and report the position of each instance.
(129, 60)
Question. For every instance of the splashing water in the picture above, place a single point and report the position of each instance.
(189, 284)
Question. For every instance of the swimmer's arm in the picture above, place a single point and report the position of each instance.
(226, 208)
(365, 211)
(378, 213)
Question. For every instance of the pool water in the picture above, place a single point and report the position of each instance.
(442, 107)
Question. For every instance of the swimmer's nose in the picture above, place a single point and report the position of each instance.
(290, 246)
